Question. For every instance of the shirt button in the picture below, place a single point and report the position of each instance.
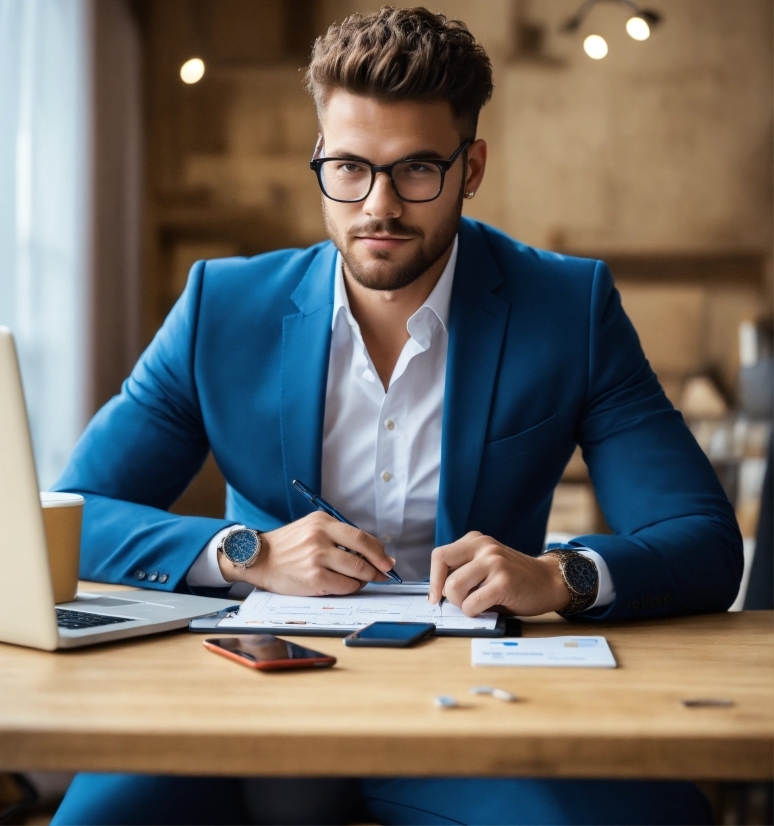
(390, 424)
(386, 476)
(387, 538)
(153, 576)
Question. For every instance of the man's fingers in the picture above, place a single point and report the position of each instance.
(480, 600)
(303, 558)
(448, 557)
(438, 572)
(357, 540)
(325, 582)
(458, 553)
(350, 565)
(465, 579)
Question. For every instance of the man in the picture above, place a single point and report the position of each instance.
(431, 377)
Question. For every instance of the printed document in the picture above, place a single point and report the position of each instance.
(262, 609)
(575, 652)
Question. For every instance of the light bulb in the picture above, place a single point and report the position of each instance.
(637, 28)
(192, 71)
(595, 46)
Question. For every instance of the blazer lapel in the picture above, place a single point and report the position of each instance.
(306, 338)
(477, 324)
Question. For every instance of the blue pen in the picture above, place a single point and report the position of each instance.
(319, 503)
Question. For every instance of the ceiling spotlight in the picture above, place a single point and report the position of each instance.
(595, 46)
(638, 25)
(192, 71)
(637, 28)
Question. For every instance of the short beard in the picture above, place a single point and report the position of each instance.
(429, 252)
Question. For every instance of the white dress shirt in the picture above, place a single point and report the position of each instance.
(381, 455)
(381, 452)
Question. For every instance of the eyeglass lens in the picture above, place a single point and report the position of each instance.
(351, 181)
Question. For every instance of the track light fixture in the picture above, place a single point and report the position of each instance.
(193, 68)
(638, 26)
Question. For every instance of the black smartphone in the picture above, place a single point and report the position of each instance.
(268, 653)
(390, 634)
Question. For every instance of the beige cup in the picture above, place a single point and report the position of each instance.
(62, 517)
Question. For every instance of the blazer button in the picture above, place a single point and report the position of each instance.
(635, 605)
(163, 578)
(667, 598)
(140, 574)
(153, 576)
(654, 601)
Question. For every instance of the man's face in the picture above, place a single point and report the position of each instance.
(388, 243)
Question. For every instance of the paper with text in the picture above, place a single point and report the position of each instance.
(262, 609)
(575, 652)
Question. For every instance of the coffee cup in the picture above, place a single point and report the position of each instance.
(62, 517)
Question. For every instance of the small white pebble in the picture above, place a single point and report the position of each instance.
(505, 696)
(445, 701)
(481, 689)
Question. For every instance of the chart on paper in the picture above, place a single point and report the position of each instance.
(262, 609)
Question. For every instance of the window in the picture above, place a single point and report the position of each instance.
(44, 193)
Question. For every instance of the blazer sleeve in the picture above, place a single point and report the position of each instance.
(135, 458)
(676, 546)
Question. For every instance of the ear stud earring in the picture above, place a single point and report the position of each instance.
(469, 195)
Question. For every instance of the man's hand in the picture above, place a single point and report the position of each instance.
(303, 559)
(477, 573)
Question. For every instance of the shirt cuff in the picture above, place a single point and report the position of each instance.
(605, 589)
(205, 572)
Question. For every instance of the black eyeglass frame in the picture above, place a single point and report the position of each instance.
(444, 166)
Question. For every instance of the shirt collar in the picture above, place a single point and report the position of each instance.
(438, 301)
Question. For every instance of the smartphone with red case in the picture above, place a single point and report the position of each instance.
(268, 653)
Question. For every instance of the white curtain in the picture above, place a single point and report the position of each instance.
(44, 213)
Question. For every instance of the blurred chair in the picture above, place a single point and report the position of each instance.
(760, 591)
(17, 797)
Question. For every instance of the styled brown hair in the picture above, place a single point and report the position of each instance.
(403, 54)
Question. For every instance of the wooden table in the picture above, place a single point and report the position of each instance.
(165, 704)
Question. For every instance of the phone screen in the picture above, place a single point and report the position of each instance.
(402, 631)
(390, 634)
(265, 650)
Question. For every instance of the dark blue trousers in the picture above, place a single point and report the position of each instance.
(113, 799)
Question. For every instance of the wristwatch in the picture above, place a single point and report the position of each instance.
(241, 546)
(581, 577)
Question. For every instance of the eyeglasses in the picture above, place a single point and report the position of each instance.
(416, 180)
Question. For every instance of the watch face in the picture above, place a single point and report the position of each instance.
(581, 573)
(240, 546)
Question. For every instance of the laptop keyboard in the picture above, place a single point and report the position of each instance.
(66, 618)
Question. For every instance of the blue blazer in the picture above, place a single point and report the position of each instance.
(541, 357)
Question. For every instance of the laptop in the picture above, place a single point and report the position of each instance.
(28, 615)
